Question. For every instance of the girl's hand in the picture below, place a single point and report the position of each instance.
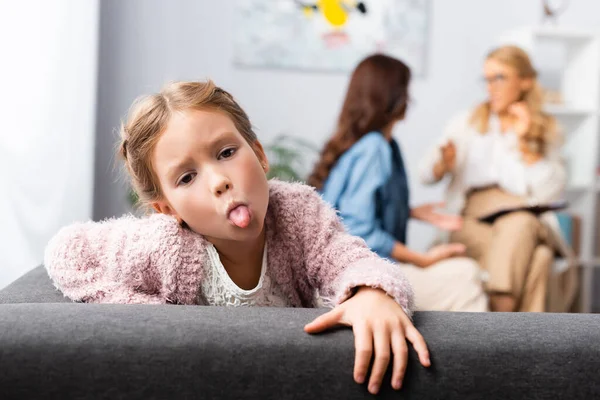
(427, 213)
(522, 116)
(379, 324)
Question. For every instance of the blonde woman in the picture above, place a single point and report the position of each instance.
(504, 153)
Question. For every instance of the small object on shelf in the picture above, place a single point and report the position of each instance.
(552, 9)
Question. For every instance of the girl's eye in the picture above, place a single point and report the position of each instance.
(227, 153)
(187, 178)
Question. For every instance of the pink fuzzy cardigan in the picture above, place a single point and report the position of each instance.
(155, 260)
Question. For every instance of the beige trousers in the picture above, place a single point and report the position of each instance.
(514, 250)
(450, 285)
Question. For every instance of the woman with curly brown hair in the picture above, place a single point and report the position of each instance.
(361, 173)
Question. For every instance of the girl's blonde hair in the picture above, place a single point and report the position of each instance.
(148, 119)
(543, 126)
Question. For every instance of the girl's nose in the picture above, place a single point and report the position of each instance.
(221, 186)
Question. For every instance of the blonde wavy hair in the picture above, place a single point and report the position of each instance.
(543, 130)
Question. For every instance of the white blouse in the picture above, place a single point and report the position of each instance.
(217, 288)
(494, 159)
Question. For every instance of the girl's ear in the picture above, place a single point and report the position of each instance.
(260, 154)
(162, 207)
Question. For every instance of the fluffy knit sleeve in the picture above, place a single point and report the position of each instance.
(337, 263)
(125, 260)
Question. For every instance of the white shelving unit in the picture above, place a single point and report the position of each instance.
(568, 61)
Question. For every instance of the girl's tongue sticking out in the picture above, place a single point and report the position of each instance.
(240, 216)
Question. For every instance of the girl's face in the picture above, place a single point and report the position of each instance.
(504, 85)
(212, 179)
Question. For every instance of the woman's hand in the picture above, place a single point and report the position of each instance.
(427, 213)
(447, 160)
(381, 327)
(442, 252)
(521, 126)
(522, 118)
(449, 155)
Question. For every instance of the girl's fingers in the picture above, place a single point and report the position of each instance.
(325, 321)
(413, 335)
(363, 345)
(400, 350)
(381, 338)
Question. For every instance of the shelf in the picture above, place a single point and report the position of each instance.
(548, 32)
(593, 263)
(568, 111)
(530, 37)
(560, 265)
(569, 61)
(576, 189)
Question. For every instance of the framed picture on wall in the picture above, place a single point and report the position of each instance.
(329, 35)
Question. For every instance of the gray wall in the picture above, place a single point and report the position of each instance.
(146, 42)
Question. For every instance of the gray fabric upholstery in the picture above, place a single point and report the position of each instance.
(33, 287)
(117, 351)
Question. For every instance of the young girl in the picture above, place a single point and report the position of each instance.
(224, 235)
(361, 173)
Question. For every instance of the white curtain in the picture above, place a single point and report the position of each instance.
(47, 119)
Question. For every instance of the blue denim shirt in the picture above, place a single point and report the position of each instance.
(369, 187)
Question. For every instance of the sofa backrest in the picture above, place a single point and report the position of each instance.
(33, 287)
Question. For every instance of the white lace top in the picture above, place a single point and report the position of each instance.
(217, 288)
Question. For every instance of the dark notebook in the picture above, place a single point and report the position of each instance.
(535, 209)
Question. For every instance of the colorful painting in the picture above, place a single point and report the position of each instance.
(330, 35)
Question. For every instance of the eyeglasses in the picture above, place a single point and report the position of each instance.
(495, 79)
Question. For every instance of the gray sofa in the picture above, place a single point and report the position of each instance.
(53, 349)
